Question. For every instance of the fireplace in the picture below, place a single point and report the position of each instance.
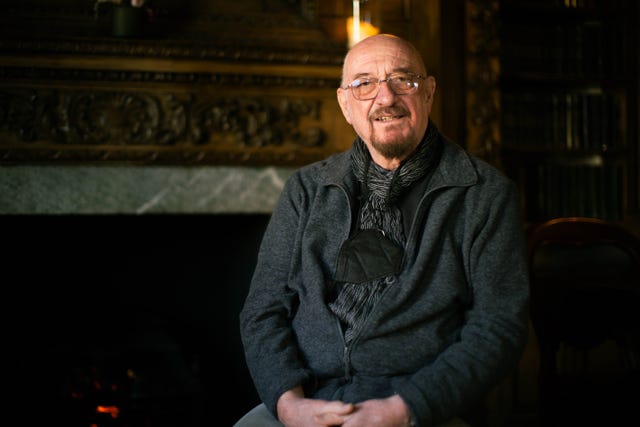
(128, 320)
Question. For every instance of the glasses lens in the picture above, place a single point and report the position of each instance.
(364, 88)
(402, 84)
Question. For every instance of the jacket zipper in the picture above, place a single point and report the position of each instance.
(347, 363)
(346, 357)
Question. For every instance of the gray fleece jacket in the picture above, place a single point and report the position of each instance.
(448, 330)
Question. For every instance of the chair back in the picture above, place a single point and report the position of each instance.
(585, 297)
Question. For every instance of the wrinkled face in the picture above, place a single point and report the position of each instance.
(390, 124)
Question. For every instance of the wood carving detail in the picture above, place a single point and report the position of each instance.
(234, 82)
(105, 121)
(483, 68)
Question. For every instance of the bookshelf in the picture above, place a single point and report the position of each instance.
(569, 106)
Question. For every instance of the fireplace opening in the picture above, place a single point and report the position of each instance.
(129, 320)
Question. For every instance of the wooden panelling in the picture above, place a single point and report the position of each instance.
(238, 82)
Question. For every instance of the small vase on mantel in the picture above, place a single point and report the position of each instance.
(127, 21)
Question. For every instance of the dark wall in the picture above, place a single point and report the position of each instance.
(138, 312)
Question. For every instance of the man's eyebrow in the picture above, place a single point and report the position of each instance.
(360, 75)
(402, 70)
(394, 71)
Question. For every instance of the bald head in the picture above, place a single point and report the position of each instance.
(382, 45)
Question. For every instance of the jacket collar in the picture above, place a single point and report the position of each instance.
(456, 169)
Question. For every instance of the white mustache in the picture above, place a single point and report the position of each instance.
(395, 112)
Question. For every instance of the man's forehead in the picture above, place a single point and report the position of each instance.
(380, 60)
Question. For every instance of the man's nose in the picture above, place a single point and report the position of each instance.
(385, 93)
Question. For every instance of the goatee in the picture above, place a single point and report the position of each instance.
(397, 149)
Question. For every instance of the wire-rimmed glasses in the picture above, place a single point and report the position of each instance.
(365, 88)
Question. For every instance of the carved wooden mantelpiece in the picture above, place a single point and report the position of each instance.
(230, 87)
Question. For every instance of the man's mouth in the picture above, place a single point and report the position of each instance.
(389, 115)
(387, 118)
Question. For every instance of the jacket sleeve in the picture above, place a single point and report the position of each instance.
(265, 320)
(494, 334)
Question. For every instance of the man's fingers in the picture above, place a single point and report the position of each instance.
(334, 413)
(329, 419)
(339, 408)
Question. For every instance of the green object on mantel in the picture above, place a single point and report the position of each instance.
(127, 21)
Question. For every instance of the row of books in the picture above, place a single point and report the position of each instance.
(590, 49)
(568, 120)
(577, 5)
(566, 103)
(555, 190)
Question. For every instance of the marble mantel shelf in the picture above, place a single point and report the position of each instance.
(29, 190)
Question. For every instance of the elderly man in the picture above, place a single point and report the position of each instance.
(391, 286)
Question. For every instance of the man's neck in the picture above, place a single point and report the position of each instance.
(386, 163)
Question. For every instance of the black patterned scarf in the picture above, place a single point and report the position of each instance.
(379, 211)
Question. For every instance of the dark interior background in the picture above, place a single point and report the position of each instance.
(140, 313)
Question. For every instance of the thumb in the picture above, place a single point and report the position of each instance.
(329, 419)
(338, 407)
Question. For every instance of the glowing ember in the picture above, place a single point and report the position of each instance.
(114, 411)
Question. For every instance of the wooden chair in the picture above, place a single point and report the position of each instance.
(585, 311)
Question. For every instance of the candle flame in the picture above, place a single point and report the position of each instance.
(357, 28)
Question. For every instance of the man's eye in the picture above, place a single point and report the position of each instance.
(364, 83)
(402, 79)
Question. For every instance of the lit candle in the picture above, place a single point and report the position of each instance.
(361, 24)
(356, 23)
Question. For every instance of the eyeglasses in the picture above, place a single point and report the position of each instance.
(400, 83)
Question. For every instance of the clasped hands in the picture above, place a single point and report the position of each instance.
(295, 410)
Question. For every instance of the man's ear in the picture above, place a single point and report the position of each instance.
(430, 89)
(344, 104)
